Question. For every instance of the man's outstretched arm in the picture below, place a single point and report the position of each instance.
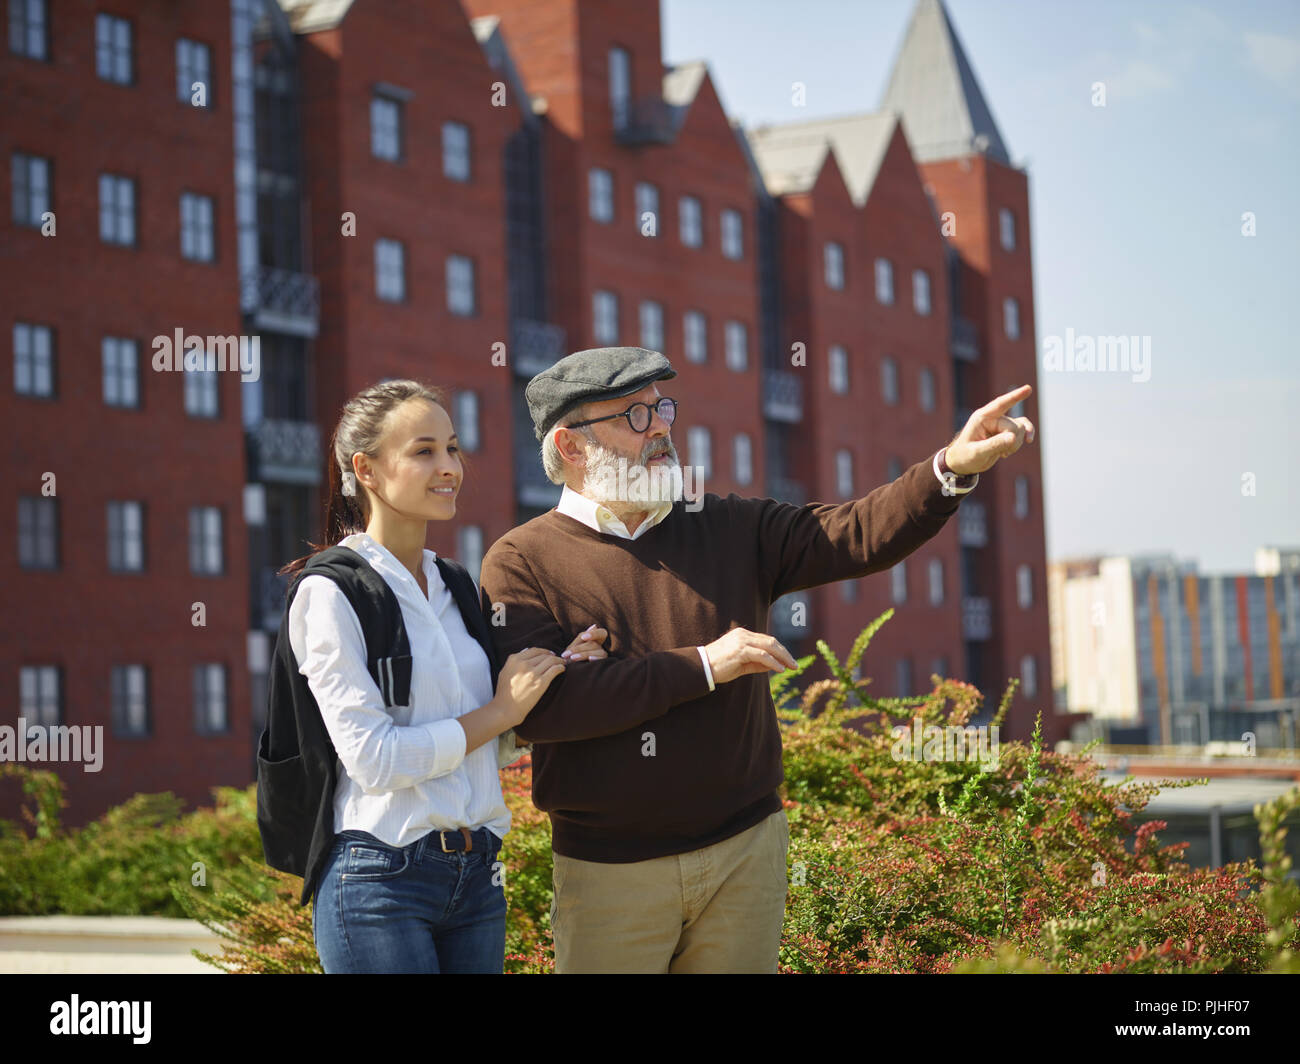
(592, 698)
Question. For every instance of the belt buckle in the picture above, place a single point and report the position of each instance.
(469, 840)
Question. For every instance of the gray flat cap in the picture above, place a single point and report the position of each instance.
(589, 377)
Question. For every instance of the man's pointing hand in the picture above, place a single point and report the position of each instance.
(989, 434)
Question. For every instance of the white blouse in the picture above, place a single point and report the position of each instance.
(403, 770)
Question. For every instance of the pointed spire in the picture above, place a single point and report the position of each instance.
(933, 87)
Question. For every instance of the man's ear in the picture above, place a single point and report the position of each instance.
(571, 445)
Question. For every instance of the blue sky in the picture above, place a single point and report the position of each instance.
(1136, 214)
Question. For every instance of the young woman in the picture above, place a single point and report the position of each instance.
(412, 883)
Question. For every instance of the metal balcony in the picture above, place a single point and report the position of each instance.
(285, 452)
(972, 529)
(538, 345)
(782, 396)
(648, 121)
(965, 341)
(976, 619)
(785, 490)
(282, 300)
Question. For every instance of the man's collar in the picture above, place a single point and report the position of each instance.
(601, 518)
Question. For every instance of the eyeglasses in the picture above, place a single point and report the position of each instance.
(638, 415)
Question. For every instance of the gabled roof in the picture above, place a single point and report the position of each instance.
(680, 85)
(791, 156)
(933, 87)
(309, 16)
(487, 31)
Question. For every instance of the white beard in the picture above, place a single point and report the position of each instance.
(613, 480)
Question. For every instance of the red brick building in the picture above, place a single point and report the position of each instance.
(464, 192)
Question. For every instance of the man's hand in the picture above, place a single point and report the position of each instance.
(990, 435)
(741, 652)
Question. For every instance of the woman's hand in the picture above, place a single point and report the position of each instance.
(587, 645)
(523, 680)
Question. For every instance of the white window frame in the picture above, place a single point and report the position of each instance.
(699, 448)
(457, 151)
(651, 315)
(126, 519)
(1029, 676)
(604, 317)
(193, 65)
(742, 455)
(205, 542)
(844, 473)
(117, 200)
(695, 334)
(898, 583)
(1011, 318)
(690, 221)
(29, 176)
(736, 336)
(921, 292)
(390, 270)
(469, 549)
(40, 695)
(1022, 496)
(467, 427)
(889, 381)
(1007, 229)
(936, 581)
(884, 282)
(33, 359)
(198, 227)
(928, 389)
(114, 49)
(211, 699)
(646, 195)
(1024, 586)
(600, 194)
(29, 31)
(833, 265)
(201, 389)
(620, 86)
(121, 372)
(732, 230)
(462, 286)
(838, 369)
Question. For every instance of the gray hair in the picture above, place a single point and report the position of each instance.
(552, 463)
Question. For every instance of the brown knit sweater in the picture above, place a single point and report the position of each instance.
(634, 757)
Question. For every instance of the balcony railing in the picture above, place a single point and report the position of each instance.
(648, 121)
(538, 345)
(976, 619)
(287, 452)
(972, 529)
(965, 341)
(270, 596)
(785, 490)
(282, 300)
(782, 396)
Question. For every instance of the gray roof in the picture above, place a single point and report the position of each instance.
(791, 156)
(680, 85)
(934, 89)
(309, 16)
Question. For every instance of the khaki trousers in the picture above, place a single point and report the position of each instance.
(718, 909)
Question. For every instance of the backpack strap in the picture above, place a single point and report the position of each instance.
(388, 650)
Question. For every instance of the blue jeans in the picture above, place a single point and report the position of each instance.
(410, 909)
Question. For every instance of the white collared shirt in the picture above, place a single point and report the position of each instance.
(403, 770)
(602, 519)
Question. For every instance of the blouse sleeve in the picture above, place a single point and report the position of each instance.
(380, 755)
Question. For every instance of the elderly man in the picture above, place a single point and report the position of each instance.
(659, 764)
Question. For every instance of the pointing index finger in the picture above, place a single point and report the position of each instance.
(1006, 401)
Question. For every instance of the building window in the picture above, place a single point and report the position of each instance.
(620, 87)
(903, 677)
(29, 29)
(211, 716)
(849, 590)
(921, 292)
(647, 209)
(38, 532)
(467, 420)
(1011, 318)
(893, 470)
(732, 230)
(130, 694)
(460, 285)
(690, 221)
(1024, 586)
(1029, 675)
(113, 61)
(29, 188)
(116, 209)
(652, 325)
(386, 128)
(743, 458)
(193, 70)
(40, 695)
(125, 537)
(456, 163)
(927, 390)
(737, 346)
(898, 582)
(839, 370)
(197, 227)
(696, 331)
(889, 381)
(600, 194)
(33, 360)
(936, 582)
(699, 447)
(205, 540)
(1007, 229)
(604, 317)
(833, 264)
(390, 270)
(469, 549)
(884, 281)
(844, 473)
(202, 390)
(1022, 496)
(121, 372)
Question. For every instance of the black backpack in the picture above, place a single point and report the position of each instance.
(297, 767)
